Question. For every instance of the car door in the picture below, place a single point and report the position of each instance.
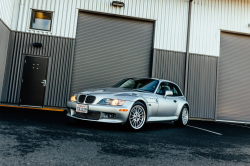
(167, 106)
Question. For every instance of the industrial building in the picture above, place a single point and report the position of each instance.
(50, 49)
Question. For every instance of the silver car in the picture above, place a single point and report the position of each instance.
(133, 102)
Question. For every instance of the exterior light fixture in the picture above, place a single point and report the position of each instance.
(37, 44)
(118, 4)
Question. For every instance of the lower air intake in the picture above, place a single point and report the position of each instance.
(89, 115)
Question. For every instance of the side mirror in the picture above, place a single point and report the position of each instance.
(168, 93)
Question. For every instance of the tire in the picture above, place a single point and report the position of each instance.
(183, 117)
(137, 117)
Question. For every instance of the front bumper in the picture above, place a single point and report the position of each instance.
(104, 110)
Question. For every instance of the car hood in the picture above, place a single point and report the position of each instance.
(118, 91)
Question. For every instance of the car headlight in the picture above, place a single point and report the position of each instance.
(114, 102)
(73, 98)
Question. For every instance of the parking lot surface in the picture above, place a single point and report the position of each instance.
(33, 137)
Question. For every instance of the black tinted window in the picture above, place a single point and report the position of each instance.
(176, 91)
(145, 84)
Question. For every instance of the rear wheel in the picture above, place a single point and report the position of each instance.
(137, 117)
(183, 117)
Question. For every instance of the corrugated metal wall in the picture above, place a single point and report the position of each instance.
(210, 16)
(202, 79)
(234, 78)
(60, 51)
(109, 49)
(4, 41)
(171, 16)
(202, 86)
(6, 11)
(169, 65)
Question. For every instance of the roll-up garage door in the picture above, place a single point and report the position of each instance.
(234, 78)
(109, 49)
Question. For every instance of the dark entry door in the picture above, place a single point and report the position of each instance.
(34, 81)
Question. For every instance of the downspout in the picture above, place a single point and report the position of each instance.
(187, 47)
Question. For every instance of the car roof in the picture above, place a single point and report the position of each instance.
(155, 79)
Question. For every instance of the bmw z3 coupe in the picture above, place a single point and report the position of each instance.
(132, 102)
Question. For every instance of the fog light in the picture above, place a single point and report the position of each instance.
(110, 115)
(72, 112)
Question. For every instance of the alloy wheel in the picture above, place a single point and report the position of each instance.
(184, 116)
(137, 117)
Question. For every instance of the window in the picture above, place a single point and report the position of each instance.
(165, 86)
(176, 91)
(41, 20)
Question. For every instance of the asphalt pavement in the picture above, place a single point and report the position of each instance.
(34, 137)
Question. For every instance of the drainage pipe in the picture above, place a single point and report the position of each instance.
(187, 47)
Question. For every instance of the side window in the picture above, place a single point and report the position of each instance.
(164, 86)
(41, 20)
(176, 91)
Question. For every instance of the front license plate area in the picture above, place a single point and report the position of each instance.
(82, 108)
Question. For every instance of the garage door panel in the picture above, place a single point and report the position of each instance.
(109, 49)
(234, 78)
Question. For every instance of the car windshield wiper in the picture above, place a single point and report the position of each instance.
(133, 89)
(128, 88)
(141, 90)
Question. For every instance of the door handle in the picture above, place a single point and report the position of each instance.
(175, 101)
(44, 82)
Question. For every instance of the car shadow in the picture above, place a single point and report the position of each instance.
(121, 128)
(55, 120)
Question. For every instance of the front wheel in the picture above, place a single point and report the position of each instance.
(137, 117)
(183, 117)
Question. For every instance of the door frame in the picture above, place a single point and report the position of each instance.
(22, 72)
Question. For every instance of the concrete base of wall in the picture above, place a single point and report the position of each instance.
(33, 108)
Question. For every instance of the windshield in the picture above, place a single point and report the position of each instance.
(145, 84)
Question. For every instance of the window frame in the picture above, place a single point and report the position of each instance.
(44, 11)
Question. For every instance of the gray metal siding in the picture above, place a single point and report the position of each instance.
(234, 78)
(60, 52)
(202, 86)
(8, 67)
(4, 41)
(169, 65)
(109, 49)
(202, 79)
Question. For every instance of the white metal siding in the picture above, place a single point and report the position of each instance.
(171, 16)
(211, 16)
(6, 11)
(208, 18)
